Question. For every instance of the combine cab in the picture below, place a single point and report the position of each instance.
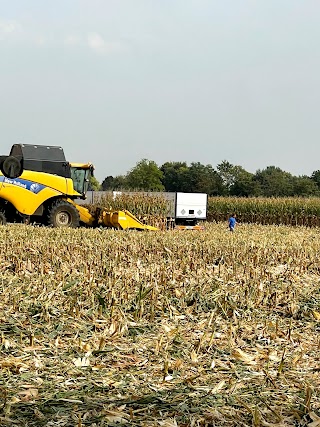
(37, 184)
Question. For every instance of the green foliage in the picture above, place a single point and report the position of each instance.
(226, 172)
(94, 184)
(315, 176)
(203, 179)
(146, 175)
(226, 180)
(175, 175)
(275, 182)
(304, 186)
(237, 181)
(111, 183)
(244, 184)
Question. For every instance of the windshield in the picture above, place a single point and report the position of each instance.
(80, 178)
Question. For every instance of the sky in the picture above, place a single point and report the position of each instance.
(117, 81)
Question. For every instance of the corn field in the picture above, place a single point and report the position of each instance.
(285, 211)
(106, 328)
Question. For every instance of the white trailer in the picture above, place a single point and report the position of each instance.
(187, 209)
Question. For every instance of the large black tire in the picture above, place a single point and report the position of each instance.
(11, 167)
(3, 219)
(63, 214)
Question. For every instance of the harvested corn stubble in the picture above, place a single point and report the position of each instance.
(103, 328)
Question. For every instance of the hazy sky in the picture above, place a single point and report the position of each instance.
(115, 81)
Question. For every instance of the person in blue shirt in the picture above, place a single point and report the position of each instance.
(232, 222)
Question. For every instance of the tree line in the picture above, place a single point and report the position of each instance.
(224, 180)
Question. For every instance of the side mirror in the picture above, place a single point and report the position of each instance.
(11, 166)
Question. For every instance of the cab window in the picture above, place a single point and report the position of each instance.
(78, 177)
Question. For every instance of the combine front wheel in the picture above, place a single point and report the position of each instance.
(63, 214)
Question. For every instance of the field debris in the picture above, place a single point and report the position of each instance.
(147, 329)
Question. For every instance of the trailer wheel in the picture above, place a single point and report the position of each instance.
(3, 219)
(63, 214)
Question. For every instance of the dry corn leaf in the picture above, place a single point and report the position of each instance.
(239, 354)
(170, 422)
(81, 362)
(116, 417)
(218, 387)
(14, 364)
(29, 394)
(315, 420)
(194, 357)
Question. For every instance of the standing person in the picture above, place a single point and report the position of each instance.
(232, 222)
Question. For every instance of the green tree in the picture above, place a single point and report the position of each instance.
(111, 183)
(203, 179)
(146, 175)
(107, 183)
(236, 181)
(244, 184)
(304, 186)
(275, 182)
(94, 184)
(226, 171)
(174, 175)
(315, 176)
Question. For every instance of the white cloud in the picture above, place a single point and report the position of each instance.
(96, 42)
(99, 45)
(72, 40)
(40, 41)
(9, 29)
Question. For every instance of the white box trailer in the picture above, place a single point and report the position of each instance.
(191, 206)
(187, 209)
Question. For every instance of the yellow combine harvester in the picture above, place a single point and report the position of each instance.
(38, 184)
